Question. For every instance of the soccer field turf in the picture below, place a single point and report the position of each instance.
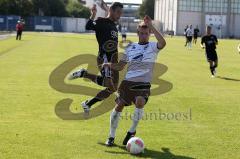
(205, 125)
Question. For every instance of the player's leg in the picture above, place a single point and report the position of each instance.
(83, 73)
(138, 114)
(190, 42)
(186, 41)
(17, 35)
(102, 95)
(211, 64)
(114, 120)
(20, 35)
(110, 83)
(215, 66)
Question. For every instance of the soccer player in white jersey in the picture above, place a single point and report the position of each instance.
(189, 34)
(135, 88)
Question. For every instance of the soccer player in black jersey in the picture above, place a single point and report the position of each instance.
(107, 37)
(195, 34)
(209, 42)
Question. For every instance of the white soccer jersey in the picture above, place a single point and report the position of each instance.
(141, 60)
(189, 32)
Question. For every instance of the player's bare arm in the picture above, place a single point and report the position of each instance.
(104, 6)
(161, 41)
(93, 12)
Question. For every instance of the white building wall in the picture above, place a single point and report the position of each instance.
(169, 17)
(188, 18)
(236, 26)
(166, 14)
(74, 24)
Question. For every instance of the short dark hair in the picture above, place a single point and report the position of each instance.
(116, 5)
(209, 27)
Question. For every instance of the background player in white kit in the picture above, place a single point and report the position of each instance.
(135, 88)
(189, 34)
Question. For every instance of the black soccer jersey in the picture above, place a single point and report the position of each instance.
(196, 31)
(106, 34)
(210, 42)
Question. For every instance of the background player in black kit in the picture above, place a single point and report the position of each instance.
(107, 37)
(210, 41)
(195, 34)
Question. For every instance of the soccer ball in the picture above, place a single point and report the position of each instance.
(135, 145)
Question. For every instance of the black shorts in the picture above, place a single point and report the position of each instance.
(212, 56)
(129, 90)
(19, 32)
(124, 36)
(108, 72)
(195, 36)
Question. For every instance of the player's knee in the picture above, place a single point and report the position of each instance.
(140, 102)
(113, 89)
(111, 86)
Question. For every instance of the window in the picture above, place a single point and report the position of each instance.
(235, 6)
(190, 5)
(216, 6)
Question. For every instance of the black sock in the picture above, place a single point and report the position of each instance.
(92, 101)
(212, 70)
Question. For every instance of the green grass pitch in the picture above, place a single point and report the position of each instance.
(30, 128)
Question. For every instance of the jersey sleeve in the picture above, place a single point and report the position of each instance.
(92, 25)
(154, 46)
(125, 54)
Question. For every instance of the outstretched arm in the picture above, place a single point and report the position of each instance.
(161, 41)
(103, 6)
(90, 24)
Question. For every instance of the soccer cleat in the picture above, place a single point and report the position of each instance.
(110, 141)
(128, 136)
(213, 76)
(85, 107)
(77, 74)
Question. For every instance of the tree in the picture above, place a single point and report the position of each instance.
(16, 7)
(57, 8)
(76, 9)
(147, 8)
(50, 7)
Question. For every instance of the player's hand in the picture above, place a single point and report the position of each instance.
(94, 9)
(148, 21)
(103, 5)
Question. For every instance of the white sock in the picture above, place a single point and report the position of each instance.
(114, 119)
(138, 114)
